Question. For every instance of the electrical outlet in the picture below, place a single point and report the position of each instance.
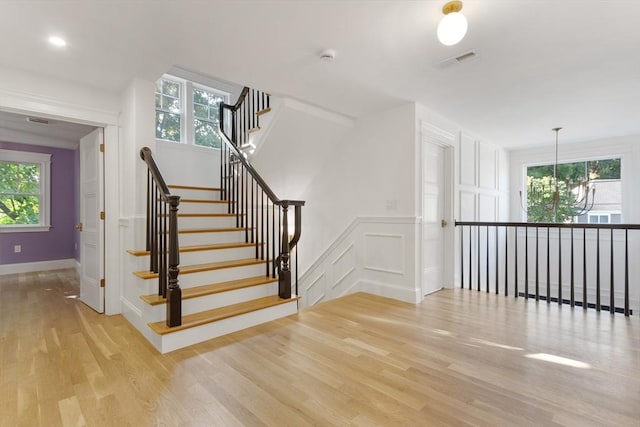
(17, 249)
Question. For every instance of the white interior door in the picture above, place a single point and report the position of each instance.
(433, 218)
(92, 227)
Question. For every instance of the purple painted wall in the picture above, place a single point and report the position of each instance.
(59, 242)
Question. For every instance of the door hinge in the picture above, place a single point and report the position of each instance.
(102, 283)
(101, 214)
(102, 148)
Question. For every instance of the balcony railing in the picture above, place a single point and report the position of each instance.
(585, 265)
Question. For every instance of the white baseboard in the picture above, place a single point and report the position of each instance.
(28, 267)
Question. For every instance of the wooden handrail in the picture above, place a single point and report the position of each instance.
(162, 238)
(238, 180)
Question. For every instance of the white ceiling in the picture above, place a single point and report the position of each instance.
(54, 133)
(540, 63)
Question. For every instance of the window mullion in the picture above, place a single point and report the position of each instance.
(188, 114)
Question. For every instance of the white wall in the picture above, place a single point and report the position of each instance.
(184, 164)
(359, 224)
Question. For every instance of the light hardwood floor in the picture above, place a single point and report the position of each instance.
(459, 358)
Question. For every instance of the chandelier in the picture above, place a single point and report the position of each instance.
(577, 196)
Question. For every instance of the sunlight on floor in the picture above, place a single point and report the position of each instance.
(559, 360)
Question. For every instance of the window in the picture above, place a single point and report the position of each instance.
(606, 202)
(169, 110)
(188, 113)
(24, 191)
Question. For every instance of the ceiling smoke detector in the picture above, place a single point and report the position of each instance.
(327, 55)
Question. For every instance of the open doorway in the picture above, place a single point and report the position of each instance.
(46, 166)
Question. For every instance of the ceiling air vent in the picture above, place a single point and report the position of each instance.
(465, 56)
(458, 59)
(38, 120)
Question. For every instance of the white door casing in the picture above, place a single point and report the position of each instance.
(92, 233)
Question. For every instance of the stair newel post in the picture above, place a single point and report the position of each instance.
(284, 276)
(174, 293)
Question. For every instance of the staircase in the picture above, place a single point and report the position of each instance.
(217, 259)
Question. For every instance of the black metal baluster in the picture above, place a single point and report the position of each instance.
(584, 269)
(148, 246)
(548, 266)
(273, 239)
(246, 204)
(506, 261)
(462, 257)
(478, 255)
(573, 296)
(470, 258)
(515, 257)
(154, 231)
(537, 266)
(268, 243)
(612, 301)
(497, 264)
(626, 272)
(597, 269)
(560, 266)
(262, 241)
(487, 257)
(526, 262)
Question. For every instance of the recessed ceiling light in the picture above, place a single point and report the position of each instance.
(57, 41)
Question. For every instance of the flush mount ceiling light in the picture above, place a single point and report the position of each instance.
(57, 41)
(453, 25)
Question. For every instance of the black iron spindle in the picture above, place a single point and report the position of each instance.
(515, 257)
(548, 266)
(573, 296)
(526, 263)
(612, 301)
(585, 303)
(496, 260)
(478, 256)
(626, 273)
(506, 261)
(470, 259)
(537, 266)
(487, 257)
(598, 269)
(462, 257)
(560, 266)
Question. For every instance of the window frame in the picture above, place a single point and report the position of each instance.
(187, 115)
(44, 161)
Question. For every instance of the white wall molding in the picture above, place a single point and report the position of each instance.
(28, 267)
(354, 263)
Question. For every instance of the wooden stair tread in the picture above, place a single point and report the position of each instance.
(263, 111)
(210, 230)
(204, 317)
(196, 248)
(213, 288)
(193, 187)
(252, 130)
(197, 268)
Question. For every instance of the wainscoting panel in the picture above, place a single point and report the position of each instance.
(384, 253)
(467, 206)
(374, 254)
(487, 167)
(467, 160)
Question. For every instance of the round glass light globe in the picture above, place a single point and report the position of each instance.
(452, 28)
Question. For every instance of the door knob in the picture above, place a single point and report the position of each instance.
(78, 227)
(443, 223)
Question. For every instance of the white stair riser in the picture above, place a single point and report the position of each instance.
(202, 257)
(206, 222)
(184, 338)
(158, 313)
(203, 208)
(150, 286)
(195, 194)
(190, 239)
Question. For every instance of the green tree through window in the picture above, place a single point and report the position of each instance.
(19, 193)
(541, 188)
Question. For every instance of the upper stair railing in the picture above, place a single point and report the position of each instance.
(263, 216)
(162, 238)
